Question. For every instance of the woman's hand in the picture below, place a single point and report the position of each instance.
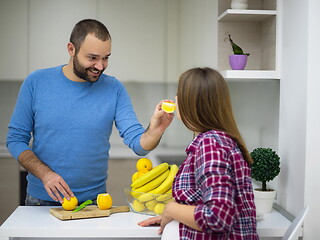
(158, 220)
(161, 220)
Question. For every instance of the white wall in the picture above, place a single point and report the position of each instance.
(300, 113)
(312, 176)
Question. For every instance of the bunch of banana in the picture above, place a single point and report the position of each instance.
(153, 189)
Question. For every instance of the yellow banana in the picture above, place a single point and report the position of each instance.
(167, 184)
(135, 194)
(165, 196)
(158, 209)
(138, 206)
(151, 204)
(145, 197)
(153, 184)
(168, 200)
(162, 188)
(149, 176)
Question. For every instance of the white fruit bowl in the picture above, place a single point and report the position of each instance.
(138, 203)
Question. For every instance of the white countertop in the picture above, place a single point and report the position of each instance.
(37, 222)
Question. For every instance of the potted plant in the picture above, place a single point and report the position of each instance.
(239, 59)
(265, 167)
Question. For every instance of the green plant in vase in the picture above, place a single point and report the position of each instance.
(265, 167)
(239, 59)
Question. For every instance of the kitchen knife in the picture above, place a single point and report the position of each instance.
(82, 205)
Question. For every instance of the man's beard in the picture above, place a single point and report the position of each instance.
(82, 72)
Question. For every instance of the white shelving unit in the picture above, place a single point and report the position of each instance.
(249, 74)
(256, 31)
(246, 15)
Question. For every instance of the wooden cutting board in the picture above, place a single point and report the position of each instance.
(91, 211)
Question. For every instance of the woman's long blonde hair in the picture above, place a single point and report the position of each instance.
(204, 104)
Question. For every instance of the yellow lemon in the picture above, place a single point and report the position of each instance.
(142, 172)
(134, 176)
(168, 107)
(144, 163)
(70, 204)
(104, 201)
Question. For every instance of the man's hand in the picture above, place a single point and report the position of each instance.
(159, 122)
(54, 185)
(53, 182)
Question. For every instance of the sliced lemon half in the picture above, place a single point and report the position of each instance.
(104, 201)
(168, 107)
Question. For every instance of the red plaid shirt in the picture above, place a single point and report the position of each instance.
(216, 179)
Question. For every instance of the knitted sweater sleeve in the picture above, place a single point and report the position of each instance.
(127, 123)
(21, 123)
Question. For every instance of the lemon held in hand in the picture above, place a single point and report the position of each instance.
(144, 163)
(104, 201)
(70, 204)
(168, 107)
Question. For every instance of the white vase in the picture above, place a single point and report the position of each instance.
(239, 4)
(264, 200)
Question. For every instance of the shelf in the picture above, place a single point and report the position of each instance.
(246, 15)
(249, 74)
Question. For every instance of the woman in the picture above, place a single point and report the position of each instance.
(212, 190)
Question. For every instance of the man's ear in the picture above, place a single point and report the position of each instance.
(71, 49)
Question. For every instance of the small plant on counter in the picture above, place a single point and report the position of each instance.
(235, 48)
(265, 166)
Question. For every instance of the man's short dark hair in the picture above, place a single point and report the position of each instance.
(85, 27)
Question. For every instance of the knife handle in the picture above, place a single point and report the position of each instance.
(83, 205)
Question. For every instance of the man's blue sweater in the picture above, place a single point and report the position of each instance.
(71, 123)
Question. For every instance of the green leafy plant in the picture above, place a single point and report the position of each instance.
(235, 48)
(265, 166)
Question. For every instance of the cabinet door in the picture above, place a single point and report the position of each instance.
(9, 187)
(138, 38)
(51, 23)
(13, 39)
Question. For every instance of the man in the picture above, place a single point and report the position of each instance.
(70, 110)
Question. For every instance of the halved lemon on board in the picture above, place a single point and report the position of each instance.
(104, 201)
(168, 107)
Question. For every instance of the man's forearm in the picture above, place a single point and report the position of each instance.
(150, 139)
(33, 164)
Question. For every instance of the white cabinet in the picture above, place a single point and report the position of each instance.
(256, 30)
(13, 39)
(9, 187)
(51, 23)
(36, 33)
(138, 30)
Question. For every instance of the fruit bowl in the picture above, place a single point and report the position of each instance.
(147, 203)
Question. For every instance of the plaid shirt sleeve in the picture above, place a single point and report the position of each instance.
(217, 213)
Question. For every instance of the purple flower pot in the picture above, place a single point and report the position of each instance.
(238, 62)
